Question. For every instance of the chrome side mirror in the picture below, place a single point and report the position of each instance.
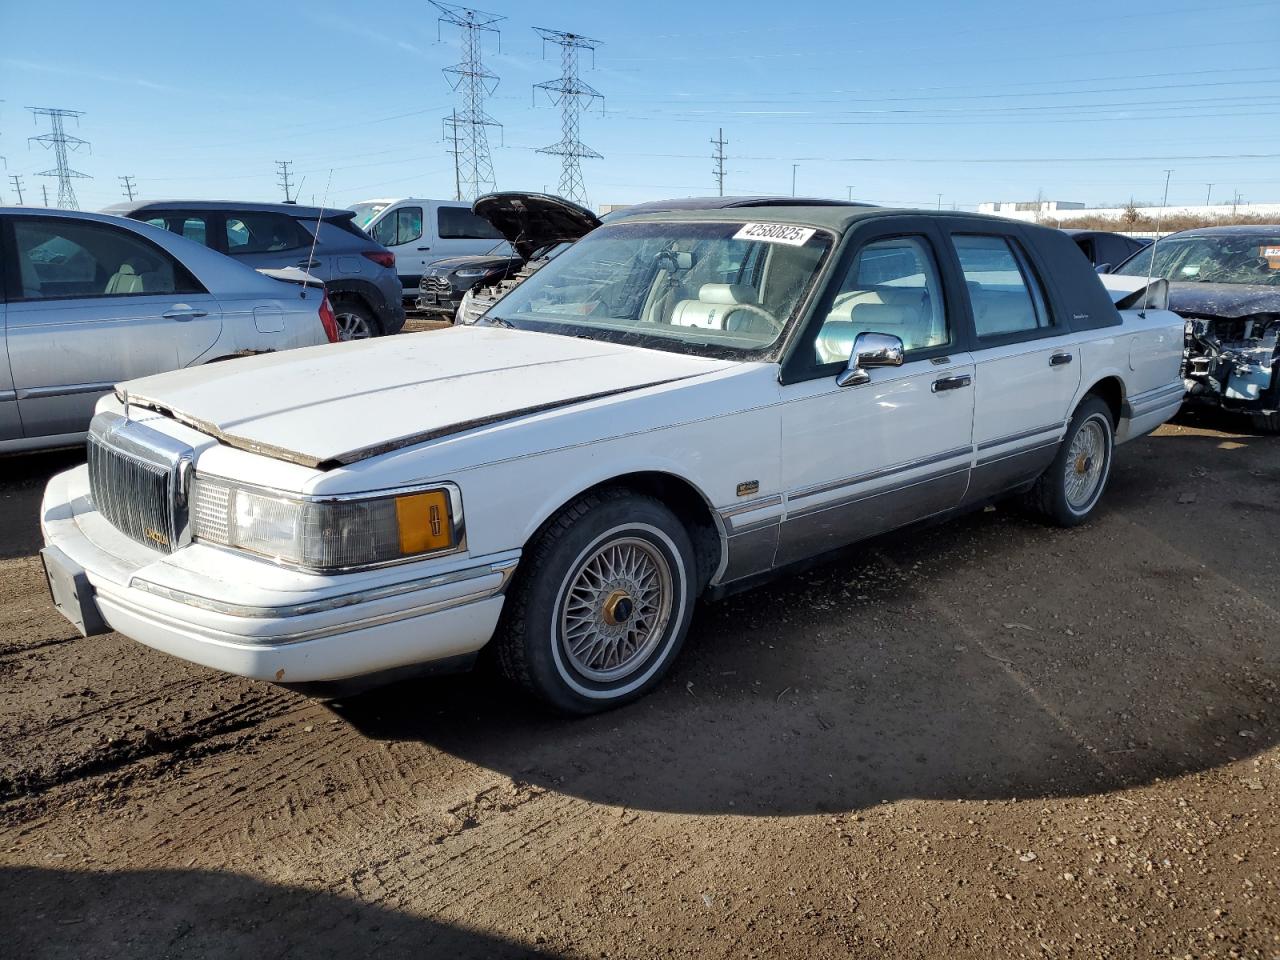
(870, 350)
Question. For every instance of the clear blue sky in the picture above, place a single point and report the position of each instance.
(199, 100)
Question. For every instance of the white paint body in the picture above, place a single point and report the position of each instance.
(816, 451)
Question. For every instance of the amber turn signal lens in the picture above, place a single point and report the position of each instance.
(424, 522)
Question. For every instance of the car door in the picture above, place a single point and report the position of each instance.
(10, 423)
(862, 459)
(1027, 368)
(461, 233)
(405, 232)
(91, 304)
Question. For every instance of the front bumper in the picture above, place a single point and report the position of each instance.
(248, 617)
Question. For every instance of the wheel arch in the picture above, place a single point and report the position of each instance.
(1111, 390)
(690, 505)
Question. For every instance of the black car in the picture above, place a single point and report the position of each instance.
(536, 225)
(1104, 249)
(1226, 282)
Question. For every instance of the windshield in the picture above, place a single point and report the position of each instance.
(1239, 258)
(366, 211)
(711, 288)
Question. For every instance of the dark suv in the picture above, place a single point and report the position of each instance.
(358, 272)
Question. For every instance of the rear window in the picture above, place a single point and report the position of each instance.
(459, 223)
(263, 233)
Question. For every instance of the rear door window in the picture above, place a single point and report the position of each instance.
(263, 233)
(58, 259)
(459, 223)
(193, 226)
(1005, 295)
(399, 227)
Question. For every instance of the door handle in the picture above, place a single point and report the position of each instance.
(184, 313)
(951, 383)
(307, 263)
(1060, 359)
(424, 248)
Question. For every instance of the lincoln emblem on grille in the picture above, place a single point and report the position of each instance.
(156, 536)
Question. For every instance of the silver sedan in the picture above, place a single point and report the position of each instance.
(88, 300)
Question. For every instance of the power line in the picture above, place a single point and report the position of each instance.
(572, 96)
(282, 178)
(719, 143)
(128, 185)
(468, 128)
(59, 141)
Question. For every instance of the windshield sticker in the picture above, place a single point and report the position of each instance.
(776, 233)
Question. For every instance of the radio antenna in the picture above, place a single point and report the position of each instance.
(1146, 294)
(311, 257)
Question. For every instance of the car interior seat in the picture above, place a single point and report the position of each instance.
(124, 280)
(714, 310)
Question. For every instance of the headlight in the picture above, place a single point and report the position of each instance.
(328, 534)
(469, 274)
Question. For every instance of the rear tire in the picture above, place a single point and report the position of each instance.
(355, 320)
(1265, 422)
(1070, 488)
(601, 605)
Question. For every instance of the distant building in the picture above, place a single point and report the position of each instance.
(1027, 209)
(1053, 212)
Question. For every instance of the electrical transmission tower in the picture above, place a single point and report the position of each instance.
(572, 95)
(719, 143)
(59, 141)
(282, 178)
(17, 187)
(467, 128)
(128, 185)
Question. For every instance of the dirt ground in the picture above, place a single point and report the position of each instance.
(983, 739)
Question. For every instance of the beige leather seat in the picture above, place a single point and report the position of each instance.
(715, 302)
(124, 280)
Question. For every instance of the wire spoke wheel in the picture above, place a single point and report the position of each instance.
(615, 609)
(352, 326)
(1086, 464)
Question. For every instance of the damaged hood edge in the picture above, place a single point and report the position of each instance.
(373, 450)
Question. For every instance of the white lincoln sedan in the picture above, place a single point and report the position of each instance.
(680, 405)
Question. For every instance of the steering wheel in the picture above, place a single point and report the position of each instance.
(775, 325)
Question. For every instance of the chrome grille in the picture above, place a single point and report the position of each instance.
(137, 481)
(440, 286)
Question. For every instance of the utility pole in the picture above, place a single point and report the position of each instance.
(719, 143)
(939, 201)
(850, 189)
(282, 178)
(44, 191)
(794, 167)
(17, 186)
(1208, 193)
(572, 96)
(59, 141)
(469, 126)
(128, 186)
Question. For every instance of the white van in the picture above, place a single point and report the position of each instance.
(420, 232)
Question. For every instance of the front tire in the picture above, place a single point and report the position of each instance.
(602, 604)
(1069, 490)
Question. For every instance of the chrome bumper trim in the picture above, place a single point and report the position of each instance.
(504, 567)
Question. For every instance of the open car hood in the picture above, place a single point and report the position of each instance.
(339, 403)
(533, 220)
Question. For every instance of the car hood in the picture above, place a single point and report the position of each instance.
(336, 404)
(450, 264)
(533, 220)
(1226, 300)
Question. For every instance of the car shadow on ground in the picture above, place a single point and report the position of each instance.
(56, 914)
(22, 482)
(1110, 656)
